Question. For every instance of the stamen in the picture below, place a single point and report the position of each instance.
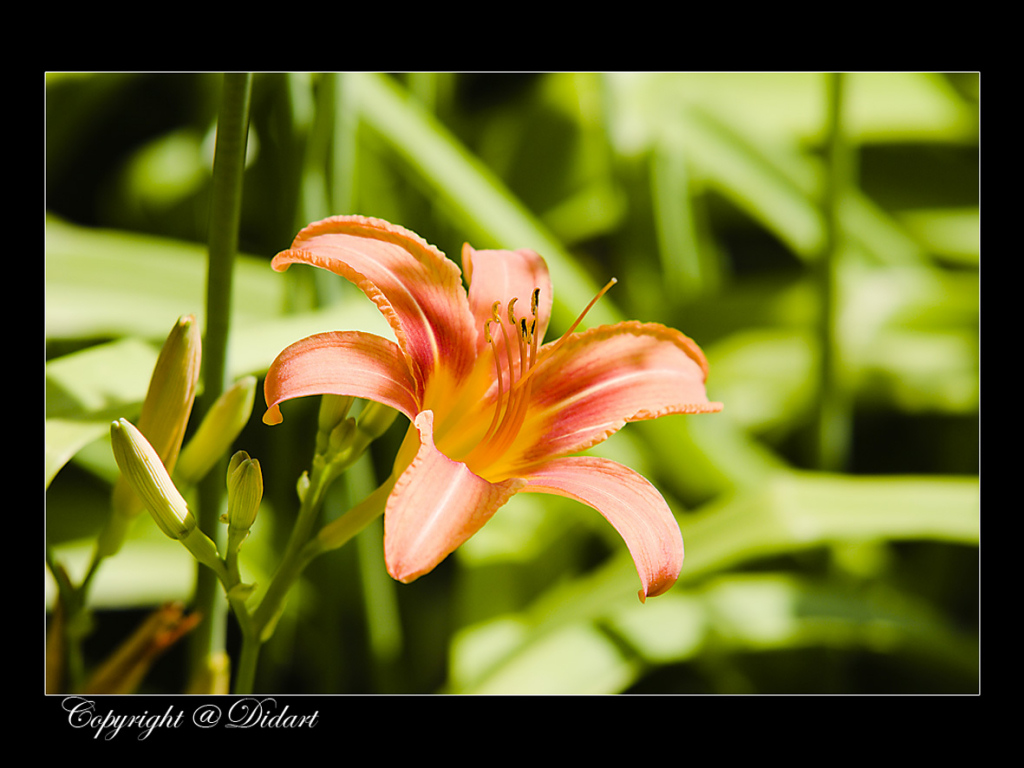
(589, 306)
(518, 397)
(508, 351)
(572, 328)
(511, 404)
(497, 373)
(533, 337)
(524, 336)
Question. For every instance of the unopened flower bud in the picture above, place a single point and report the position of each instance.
(218, 430)
(375, 419)
(172, 390)
(168, 403)
(302, 486)
(333, 408)
(148, 478)
(245, 491)
(342, 434)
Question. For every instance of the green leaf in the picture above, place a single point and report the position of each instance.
(792, 512)
(797, 510)
(109, 283)
(86, 390)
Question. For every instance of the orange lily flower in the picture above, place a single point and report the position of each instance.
(493, 410)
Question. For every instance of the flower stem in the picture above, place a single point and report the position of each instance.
(245, 671)
(832, 425)
(225, 213)
(300, 552)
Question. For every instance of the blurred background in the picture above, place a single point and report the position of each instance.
(817, 234)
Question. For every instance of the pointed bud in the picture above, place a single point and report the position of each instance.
(333, 408)
(302, 486)
(341, 435)
(375, 419)
(172, 390)
(245, 491)
(168, 403)
(218, 430)
(148, 478)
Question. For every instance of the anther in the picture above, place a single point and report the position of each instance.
(572, 328)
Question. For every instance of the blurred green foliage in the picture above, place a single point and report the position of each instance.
(829, 270)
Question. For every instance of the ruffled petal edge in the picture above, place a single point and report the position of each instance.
(415, 286)
(589, 385)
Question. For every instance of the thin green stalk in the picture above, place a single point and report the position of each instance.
(832, 428)
(225, 214)
(301, 551)
(245, 671)
(340, 193)
(253, 625)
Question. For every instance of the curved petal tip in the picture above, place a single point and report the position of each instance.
(630, 503)
(273, 416)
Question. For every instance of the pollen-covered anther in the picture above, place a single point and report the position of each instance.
(511, 311)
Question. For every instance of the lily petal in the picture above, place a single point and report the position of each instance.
(436, 505)
(416, 287)
(502, 276)
(341, 363)
(630, 503)
(589, 386)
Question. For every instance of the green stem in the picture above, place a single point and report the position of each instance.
(225, 214)
(298, 555)
(245, 672)
(295, 556)
(293, 562)
(832, 426)
(329, 463)
(71, 605)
